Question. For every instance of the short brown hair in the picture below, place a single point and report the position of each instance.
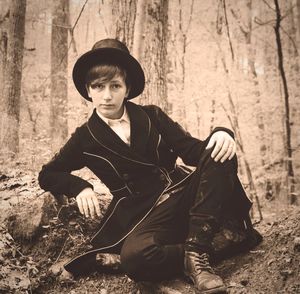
(106, 72)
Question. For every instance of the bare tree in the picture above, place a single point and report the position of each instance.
(13, 46)
(181, 15)
(4, 17)
(247, 33)
(298, 18)
(152, 50)
(59, 63)
(143, 26)
(124, 13)
(290, 168)
(233, 116)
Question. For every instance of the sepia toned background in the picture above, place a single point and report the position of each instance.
(232, 63)
(207, 63)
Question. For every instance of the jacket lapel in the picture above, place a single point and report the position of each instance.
(139, 134)
(140, 126)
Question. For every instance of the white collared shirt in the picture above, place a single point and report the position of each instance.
(120, 126)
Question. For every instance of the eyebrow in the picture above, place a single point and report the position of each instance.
(116, 80)
(105, 81)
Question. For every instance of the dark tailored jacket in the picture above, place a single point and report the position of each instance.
(136, 175)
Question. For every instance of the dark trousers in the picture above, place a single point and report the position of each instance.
(187, 220)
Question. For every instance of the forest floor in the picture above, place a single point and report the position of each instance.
(37, 236)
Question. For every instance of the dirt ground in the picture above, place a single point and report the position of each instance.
(37, 236)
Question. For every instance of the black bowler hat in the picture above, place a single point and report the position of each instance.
(109, 51)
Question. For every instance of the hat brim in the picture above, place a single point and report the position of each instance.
(113, 56)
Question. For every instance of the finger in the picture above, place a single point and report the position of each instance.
(218, 147)
(211, 142)
(85, 207)
(233, 152)
(223, 150)
(96, 204)
(79, 203)
(228, 153)
(91, 207)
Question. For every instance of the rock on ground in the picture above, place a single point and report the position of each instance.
(25, 221)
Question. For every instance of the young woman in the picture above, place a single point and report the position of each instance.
(164, 219)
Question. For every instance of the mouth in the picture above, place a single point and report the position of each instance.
(107, 105)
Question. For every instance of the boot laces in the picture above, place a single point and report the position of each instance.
(202, 263)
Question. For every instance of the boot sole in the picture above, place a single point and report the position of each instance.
(211, 291)
(221, 289)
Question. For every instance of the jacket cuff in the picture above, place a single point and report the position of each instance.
(81, 184)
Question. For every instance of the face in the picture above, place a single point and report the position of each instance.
(108, 96)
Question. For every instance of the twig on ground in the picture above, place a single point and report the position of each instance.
(61, 251)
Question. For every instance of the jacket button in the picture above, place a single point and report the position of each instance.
(126, 177)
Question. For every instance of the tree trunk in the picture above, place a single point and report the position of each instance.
(290, 168)
(125, 14)
(257, 95)
(154, 55)
(142, 26)
(10, 102)
(177, 50)
(298, 21)
(59, 63)
(3, 58)
(139, 28)
(233, 116)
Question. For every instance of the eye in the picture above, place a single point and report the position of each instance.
(116, 86)
(97, 86)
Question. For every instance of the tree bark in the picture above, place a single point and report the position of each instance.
(143, 25)
(10, 102)
(125, 15)
(257, 104)
(3, 58)
(298, 20)
(59, 63)
(290, 168)
(154, 55)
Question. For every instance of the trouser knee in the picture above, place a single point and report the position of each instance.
(138, 258)
(207, 162)
(146, 260)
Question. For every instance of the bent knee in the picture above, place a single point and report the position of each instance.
(136, 261)
(206, 161)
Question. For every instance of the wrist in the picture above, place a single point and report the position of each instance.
(85, 191)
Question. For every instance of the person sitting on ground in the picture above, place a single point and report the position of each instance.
(164, 217)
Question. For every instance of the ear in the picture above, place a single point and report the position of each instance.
(88, 90)
(127, 92)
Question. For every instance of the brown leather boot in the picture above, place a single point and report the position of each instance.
(197, 267)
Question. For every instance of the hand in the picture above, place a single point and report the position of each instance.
(225, 147)
(88, 203)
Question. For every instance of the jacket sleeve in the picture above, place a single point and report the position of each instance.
(187, 147)
(56, 176)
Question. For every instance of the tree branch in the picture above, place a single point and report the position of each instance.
(238, 20)
(261, 23)
(268, 5)
(291, 39)
(79, 15)
(227, 29)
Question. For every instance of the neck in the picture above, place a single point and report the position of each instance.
(106, 118)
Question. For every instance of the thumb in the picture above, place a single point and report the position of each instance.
(211, 142)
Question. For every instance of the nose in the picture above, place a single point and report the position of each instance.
(107, 94)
